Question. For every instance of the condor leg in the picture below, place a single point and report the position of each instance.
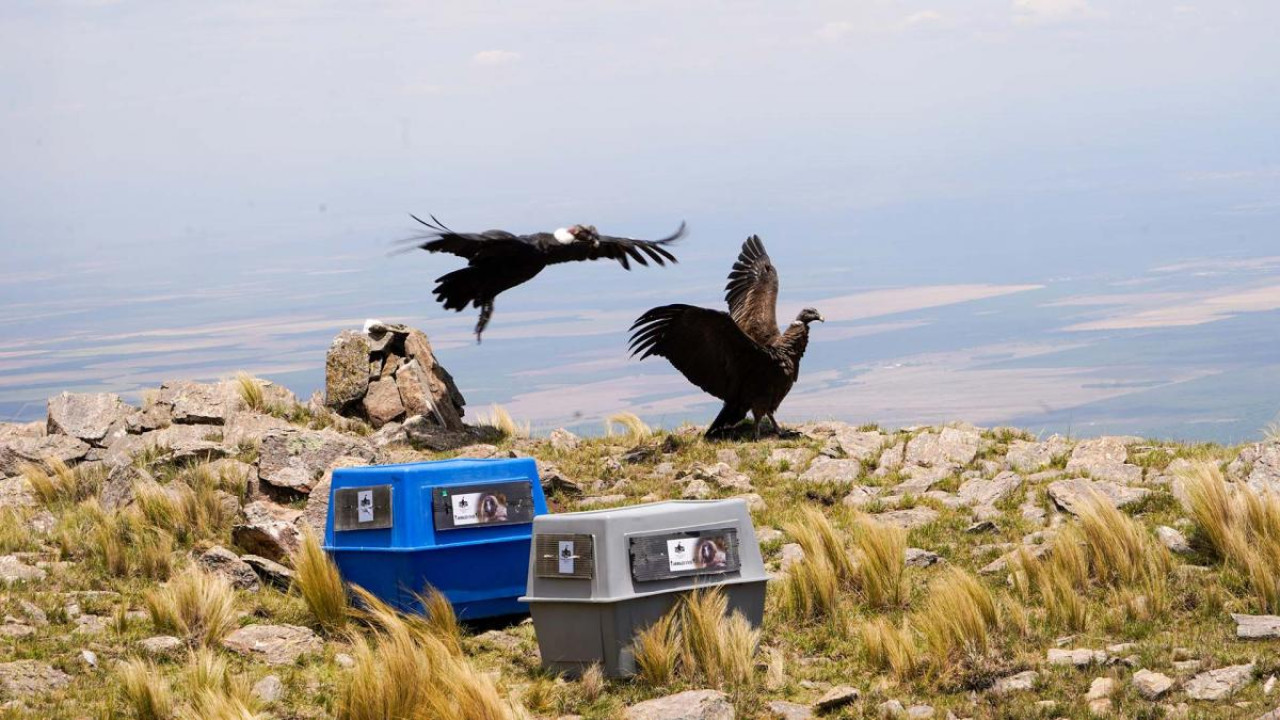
(486, 312)
(729, 416)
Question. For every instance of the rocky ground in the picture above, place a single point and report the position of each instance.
(82, 550)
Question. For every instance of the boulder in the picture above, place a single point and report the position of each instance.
(90, 417)
(1078, 657)
(1071, 494)
(979, 491)
(192, 403)
(19, 451)
(791, 458)
(273, 644)
(951, 448)
(1151, 685)
(1104, 459)
(1029, 456)
(162, 646)
(268, 530)
(827, 470)
(784, 710)
(919, 557)
(859, 445)
(346, 370)
(447, 400)
(836, 697)
(1220, 683)
(1174, 540)
(562, 440)
(1016, 683)
(269, 571)
(688, 705)
(909, 518)
(861, 495)
(296, 459)
(226, 563)
(16, 492)
(12, 570)
(382, 403)
(1253, 627)
(30, 677)
(269, 689)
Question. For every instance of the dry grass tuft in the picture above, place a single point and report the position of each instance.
(197, 605)
(698, 640)
(880, 550)
(888, 647)
(812, 587)
(251, 392)
(407, 671)
(716, 647)
(499, 419)
(57, 484)
(220, 705)
(316, 578)
(145, 691)
(592, 684)
(957, 618)
(657, 651)
(1242, 527)
(441, 619)
(635, 429)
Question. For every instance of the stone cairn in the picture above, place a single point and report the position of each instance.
(389, 374)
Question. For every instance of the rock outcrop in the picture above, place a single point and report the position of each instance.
(389, 373)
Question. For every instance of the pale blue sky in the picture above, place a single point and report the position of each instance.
(187, 163)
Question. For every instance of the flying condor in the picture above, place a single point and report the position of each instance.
(738, 356)
(498, 260)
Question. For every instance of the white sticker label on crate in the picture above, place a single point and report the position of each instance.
(680, 554)
(364, 506)
(566, 557)
(706, 553)
(466, 509)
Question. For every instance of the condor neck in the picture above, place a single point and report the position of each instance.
(795, 339)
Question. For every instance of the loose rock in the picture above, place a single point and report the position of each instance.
(1151, 685)
(1220, 683)
(274, 644)
(688, 705)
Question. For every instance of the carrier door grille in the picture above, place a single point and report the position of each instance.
(565, 556)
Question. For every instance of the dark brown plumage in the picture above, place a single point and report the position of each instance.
(498, 260)
(738, 356)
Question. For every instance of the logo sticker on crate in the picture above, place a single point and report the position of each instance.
(693, 552)
(491, 504)
(565, 556)
(362, 508)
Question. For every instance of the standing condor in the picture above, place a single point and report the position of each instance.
(738, 356)
(498, 260)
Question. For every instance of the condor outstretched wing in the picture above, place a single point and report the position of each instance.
(752, 292)
(612, 248)
(492, 243)
(706, 346)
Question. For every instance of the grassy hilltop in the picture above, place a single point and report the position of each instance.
(954, 571)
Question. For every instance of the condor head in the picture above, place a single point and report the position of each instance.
(809, 315)
(578, 233)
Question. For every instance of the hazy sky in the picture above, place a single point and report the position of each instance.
(1005, 125)
(179, 163)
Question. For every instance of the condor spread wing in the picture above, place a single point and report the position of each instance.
(706, 346)
(468, 245)
(752, 292)
(613, 248)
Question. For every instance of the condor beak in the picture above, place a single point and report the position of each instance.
(821, 319)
